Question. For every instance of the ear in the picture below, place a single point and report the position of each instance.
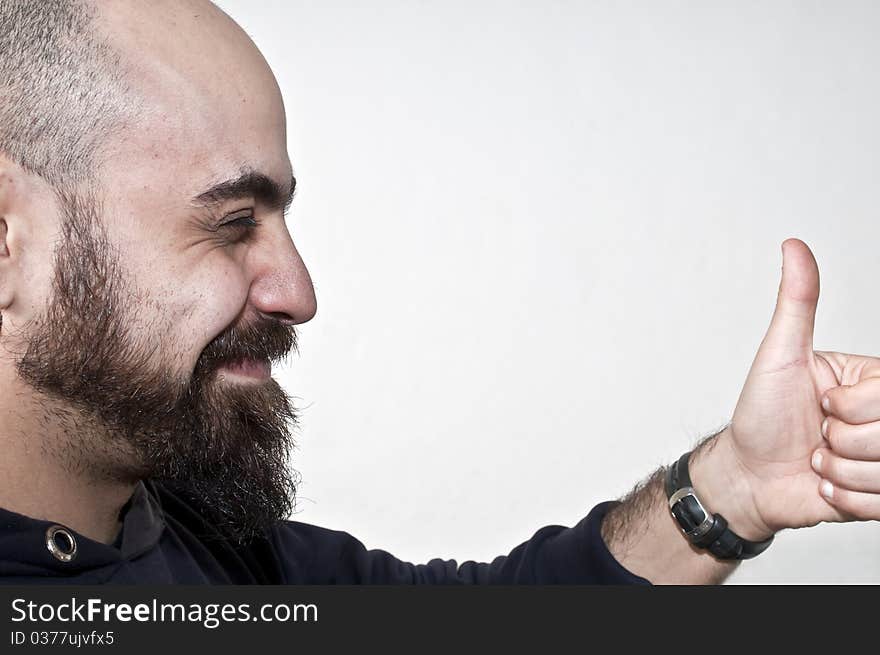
(7, 189)
(4, 251)
(4, 254)
(28, 225)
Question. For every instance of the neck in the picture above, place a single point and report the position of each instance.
(44, 474)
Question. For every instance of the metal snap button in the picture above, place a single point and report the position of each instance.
(60, 542)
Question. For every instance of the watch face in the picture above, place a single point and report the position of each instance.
(688, 513)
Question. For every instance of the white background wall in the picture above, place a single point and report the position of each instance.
(545, 240)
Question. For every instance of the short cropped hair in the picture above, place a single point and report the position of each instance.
(61, 89)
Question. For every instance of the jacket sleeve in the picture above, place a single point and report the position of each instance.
(554, 555)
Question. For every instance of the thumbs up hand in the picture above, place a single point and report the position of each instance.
(763, 472)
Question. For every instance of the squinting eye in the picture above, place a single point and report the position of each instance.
(244, 221)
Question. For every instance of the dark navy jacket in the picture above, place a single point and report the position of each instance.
(158, 544)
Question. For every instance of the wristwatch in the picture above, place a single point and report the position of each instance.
(702, 528)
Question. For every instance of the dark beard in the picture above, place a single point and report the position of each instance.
(223, 446)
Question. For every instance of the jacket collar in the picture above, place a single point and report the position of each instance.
(24, 547)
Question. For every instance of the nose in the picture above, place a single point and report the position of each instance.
(282, 287)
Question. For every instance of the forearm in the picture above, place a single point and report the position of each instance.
(642, 535)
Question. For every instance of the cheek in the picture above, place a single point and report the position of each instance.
(196, 287)
(212, 300)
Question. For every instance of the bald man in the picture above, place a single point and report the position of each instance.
(148, 282)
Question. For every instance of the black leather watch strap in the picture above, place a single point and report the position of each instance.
(702, 528)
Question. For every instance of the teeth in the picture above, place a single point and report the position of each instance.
(250, 366)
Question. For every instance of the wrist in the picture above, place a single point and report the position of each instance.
(724, 487)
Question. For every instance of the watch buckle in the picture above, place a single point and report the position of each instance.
(708, 520)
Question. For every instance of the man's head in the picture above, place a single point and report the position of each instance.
(139, 143)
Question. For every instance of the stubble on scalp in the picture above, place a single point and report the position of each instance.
(63, 89)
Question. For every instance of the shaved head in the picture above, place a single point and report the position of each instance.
(62, 88)
(74, 74)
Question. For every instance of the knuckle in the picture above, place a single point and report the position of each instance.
(854, 504)
(855, 475)
(841, 404)
(832, 434)
(862, 447)
(858, 479)
(844, 501)
(831, 469)
(846, 442)
(859, 444)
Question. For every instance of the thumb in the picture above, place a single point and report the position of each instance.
(791, 330)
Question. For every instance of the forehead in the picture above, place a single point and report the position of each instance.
(183, 153)
(204, 104)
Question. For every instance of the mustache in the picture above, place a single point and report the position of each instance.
(265, 339)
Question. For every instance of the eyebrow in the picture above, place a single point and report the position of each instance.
(250, 184)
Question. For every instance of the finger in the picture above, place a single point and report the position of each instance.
(791, 328)
(852, 441)
(857, 403)
(848, 367)
(852, 474)
(857, 504)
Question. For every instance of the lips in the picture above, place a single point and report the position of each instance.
(259, 368)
